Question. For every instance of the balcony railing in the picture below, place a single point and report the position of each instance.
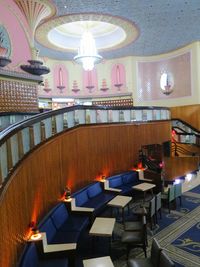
(19, 139)
(186, 134)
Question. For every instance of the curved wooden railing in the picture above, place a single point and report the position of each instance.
(19, 139)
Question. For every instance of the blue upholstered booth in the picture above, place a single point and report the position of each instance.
(62, 227)
(124, 181)
(93, 196)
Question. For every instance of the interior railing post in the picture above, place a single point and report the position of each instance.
(9, 154)
(20, 145)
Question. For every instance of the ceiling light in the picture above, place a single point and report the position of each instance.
(87, 52)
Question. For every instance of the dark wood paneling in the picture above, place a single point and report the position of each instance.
(74, 158)
(189, 114)
(179, 166)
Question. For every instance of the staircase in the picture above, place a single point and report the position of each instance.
(185, 139)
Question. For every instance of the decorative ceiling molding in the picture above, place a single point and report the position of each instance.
(131, 31)
(35, 11)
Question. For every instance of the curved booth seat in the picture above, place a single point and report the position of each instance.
(93, 196)
(62, 226)
(123, 182)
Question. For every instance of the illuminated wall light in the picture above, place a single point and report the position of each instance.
(35, 233)
(177, 181)
(103, 178)
(67, 194)
(188, 177)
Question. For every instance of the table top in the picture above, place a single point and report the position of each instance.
(144, 186)
(98, 262)
(102, 226)
(119, 201)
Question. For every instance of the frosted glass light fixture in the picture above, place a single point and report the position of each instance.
(166, 83)
(87, 52)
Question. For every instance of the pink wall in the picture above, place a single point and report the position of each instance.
(20, 51)
(149, 74)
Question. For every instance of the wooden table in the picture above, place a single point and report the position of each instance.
(98, 262)
(120, 202)
(103, 227)
(144, 187)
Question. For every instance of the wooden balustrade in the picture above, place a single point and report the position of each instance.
(55, 122)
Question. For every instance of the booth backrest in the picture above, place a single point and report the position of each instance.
(115, 181)
(59, 215)
(49, 228)
(85, 194)
(30, 258)
(130, 177)
(126, 178)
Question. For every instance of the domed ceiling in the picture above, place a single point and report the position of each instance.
(120, 28)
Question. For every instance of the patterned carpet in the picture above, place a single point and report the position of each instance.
(178, 233)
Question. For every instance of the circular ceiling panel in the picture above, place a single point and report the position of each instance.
(64, 33)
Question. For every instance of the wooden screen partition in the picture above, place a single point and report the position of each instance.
(73, 158)
(189, 114)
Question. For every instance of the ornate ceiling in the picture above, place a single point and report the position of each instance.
(151, 26)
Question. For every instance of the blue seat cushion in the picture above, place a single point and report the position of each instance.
(130, 178)
(30, 257)
(65, 237)
(115, 181)
(94, 190)
(55, 236)
(53, 263)
(81, 197)
(99, 200)
(49, 228)
(75, 223)
(59, 215)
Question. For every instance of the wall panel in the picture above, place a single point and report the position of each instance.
(73, 158)
(189, 114)
(179, 166)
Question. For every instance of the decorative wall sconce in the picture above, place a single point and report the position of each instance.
(104, 86)
(103, 178)
(118, 83)
(60, 80)
(46, 86)
(35, 233)
(140, 167)
(166, 83)
(90, 85)
(67, 194)
(75, 88)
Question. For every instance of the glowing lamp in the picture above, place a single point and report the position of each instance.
(188, 177)
(35, 233)
(67, 194)
(177, 181)
(140, 167)
(103, 178)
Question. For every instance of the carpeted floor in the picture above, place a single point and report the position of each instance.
(177, 232)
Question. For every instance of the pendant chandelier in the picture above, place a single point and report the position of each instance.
(87, 52)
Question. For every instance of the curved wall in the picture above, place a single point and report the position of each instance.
(74, 158)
